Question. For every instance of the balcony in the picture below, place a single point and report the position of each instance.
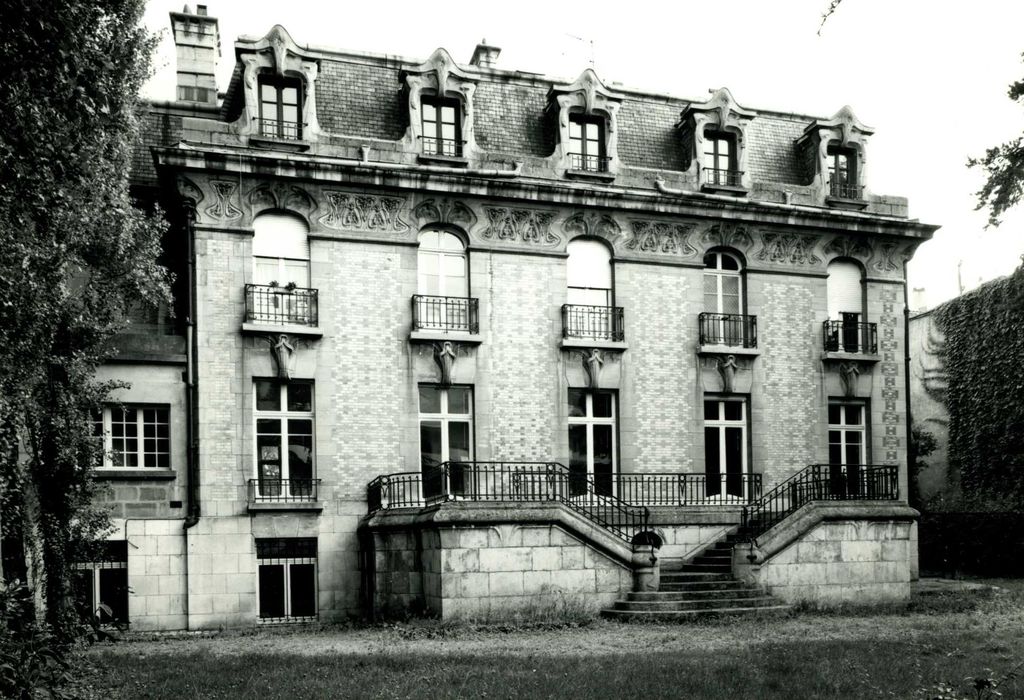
(445, 318)
(587, 324)
(284, 494)
(281, 305)
(444, 148)
(728, 330)
(275, 129)
(850, 338)
(669, 489)
(720, 177)
(845, 190)
(588, 163)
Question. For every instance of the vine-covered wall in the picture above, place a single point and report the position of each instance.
(983, 355)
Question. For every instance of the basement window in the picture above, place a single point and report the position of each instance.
(101, 585)
(287, 579)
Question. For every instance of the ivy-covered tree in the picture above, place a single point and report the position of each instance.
(74, 254)
(1004, 170)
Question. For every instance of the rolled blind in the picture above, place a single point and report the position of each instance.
(279, 235)
(845, 294)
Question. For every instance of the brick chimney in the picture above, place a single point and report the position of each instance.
(197, 43)
(484, 55)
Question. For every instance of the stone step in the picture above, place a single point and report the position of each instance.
(676, 615)
(738, 590)
(685, 605)
(707, 568)
(689, 576)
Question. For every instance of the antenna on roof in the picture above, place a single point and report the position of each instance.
(585, 41)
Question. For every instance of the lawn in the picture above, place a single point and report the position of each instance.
(898, 652)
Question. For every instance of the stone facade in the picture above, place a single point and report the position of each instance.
(365, 190)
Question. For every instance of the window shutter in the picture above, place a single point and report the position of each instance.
(845, 294)
(279, 235)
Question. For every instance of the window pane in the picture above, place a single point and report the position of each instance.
(710, 410)
(300, 452)
(733, 410)
(577, 403)
(429, 112)
(300, 396)
(290, 114)
(603, 459)
(734, 450)
(853, 453)
(303, 590)
(268, 93)
(577, 460)
(602, 404)
(430, 399)
(854, 415)
(834, 411)
(290, 95)
(271, 590)
(458, 442)
(712, 461)
(458, 400)
(575, 130)
(430, 443)
(730, 263)
(268, 426)
(835, 454)
(268, 451)
(81, 583)
(268, 395)
(114, 594)
(593, 131)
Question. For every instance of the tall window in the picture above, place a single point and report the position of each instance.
(280, 107)
(592, 447)
(723, 300)
(134, 437)
(719, 158)
(446, 435)
(845, 307)
(284, 437)
(280, 250)
(847, 446)
(590, 312)
(442, 128)
(443, 283)
(725, 447)
(287, 579)
(842, 172)
(586, 143)
(101, 585)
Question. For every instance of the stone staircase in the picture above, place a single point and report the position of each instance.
(702, 587)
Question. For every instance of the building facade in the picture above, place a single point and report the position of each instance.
(450, 337)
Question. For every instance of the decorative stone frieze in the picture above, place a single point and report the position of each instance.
(719, 113)
(280, 195)
(848, 247)
(588, 96)
(348, 211)
(444, 211)
(728, 235)
(591, 223)
(661, 237)
(277, 54)
(791, 248)
(225, 207)
(526, 225)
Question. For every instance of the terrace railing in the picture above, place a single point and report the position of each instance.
(723, 178)
(589, 163)
(433, 146)
(283, 490)
(593, 322)
(850, 336)
(845, 190)
(665, 489)
(448, 314)
(280, 129)
(509, 482)
(270, 304)
(737, 330)
(821, 482)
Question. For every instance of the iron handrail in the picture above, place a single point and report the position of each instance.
(850, 336)
(678, 489)
(275, 128)
(283, 490)
(445, 313)
(589, 163)
(594, 322)
(820, 482)
(510, 482)
(723, 177)
(739, 330)
(845, 190)
(266, 303)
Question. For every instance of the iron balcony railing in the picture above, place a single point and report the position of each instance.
(510, 482)
(845, 190)
(723, 177)
(737, 330)
(664, 489)
(850, 336)
(433, 146)
(292, 305)
(593, 322)
(448, 314)
(588, 163)
(276, 129)
(283, 490)
(821, 482)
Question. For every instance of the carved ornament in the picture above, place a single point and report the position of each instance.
(661, 237)
(189, 190)
(727, 370)
(849, 373)
(526, 225)
(444, 211)
(224, 208)
(439, 75)
(589, 96)
(593, 361)
(848, 247)
(591, 224)
(363, 212)
(728, 235)
(280, 195)
(790, 248)
(445, 355)
(722, 113)
(282, 348)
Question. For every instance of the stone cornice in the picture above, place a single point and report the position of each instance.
(234, 163)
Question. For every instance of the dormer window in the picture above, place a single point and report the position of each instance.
(719, 159)
(280, 107)
(842, 173)
(442, 128)
(586, 144)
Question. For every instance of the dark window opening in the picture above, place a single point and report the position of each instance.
(842, 173)
(442, 128)
(720, 159)
(586, 143)
(287, 579)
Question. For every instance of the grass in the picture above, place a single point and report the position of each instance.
(896, 652)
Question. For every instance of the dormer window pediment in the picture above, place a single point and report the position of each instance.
(587, 113)
(440, 103)
(832, 156)
(279, 88)
(713, 135)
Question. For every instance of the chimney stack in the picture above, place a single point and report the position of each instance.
(197, 44)
(484, 55)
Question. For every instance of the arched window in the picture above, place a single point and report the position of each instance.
(280, 250)
(443, 302)
(589, 273)
(723, 322)
(845, 291)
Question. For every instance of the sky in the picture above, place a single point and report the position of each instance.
(930, 77)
